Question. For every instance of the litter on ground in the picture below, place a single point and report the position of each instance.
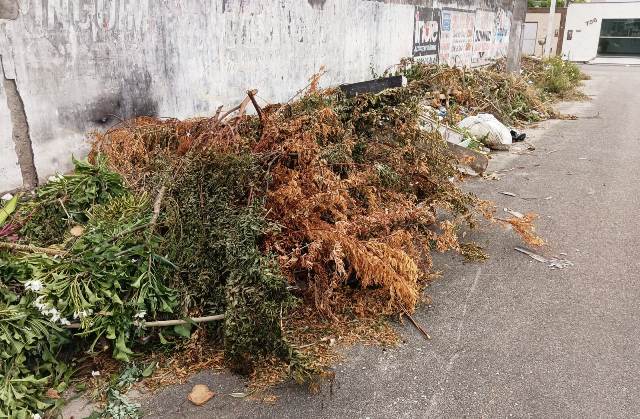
(553, 263)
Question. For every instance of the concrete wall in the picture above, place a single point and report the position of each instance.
(541, 17)
(583, 26)
(9, 170)
(83, 65)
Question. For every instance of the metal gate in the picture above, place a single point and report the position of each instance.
(529, 38)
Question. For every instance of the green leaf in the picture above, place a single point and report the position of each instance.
(116, 299)
(166, 307)
(183, 330)
(8, 208)
(136, 283)
(149, 369)
(165, 260)
(121, 352)
(111, 332)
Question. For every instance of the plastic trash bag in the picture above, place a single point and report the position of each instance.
(487, 129)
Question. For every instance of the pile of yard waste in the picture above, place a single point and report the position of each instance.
(256, 234)
(483, 107)
(456, 92)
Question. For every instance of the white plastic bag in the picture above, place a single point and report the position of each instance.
(487, 129)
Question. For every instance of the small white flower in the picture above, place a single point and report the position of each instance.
(56, 177)
(6, 197)
(33, 285)
(64, 322)
(82, 314)
(140, 315)
(40, 304)
(53, 312)
(95, 373)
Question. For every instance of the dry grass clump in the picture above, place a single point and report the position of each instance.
(462, 91)
(353, 186)
(140, 147)
(514, 100)
(555, 78)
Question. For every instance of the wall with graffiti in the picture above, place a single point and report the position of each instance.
(426, 34)
(84, 65)
(460, 37)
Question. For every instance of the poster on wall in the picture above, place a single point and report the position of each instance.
(483, 36)
(456, 37)
(426, 34)
(502, 24)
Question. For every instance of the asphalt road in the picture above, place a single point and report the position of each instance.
(511, 337)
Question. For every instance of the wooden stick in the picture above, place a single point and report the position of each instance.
(31, 248)
(165, 323)
(217, 115)
(156, 207)
(65, 210)
(415, 323)
(243, 106)
(230, 111)
(251, 94)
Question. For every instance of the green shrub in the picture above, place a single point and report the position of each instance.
(64, 201)
(559, 77)
(215, 222)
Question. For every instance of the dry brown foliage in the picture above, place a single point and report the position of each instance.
(346, 223)
(355, 188)
(365, 223)
(525, 227)
(141, 147)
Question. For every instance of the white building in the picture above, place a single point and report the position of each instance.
(603, 29)
(535, 31)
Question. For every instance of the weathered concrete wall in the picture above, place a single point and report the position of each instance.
(9, 170)
(83, 65)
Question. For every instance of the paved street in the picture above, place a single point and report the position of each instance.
(511, 337)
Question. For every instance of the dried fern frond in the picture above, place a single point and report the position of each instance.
(525, 227)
